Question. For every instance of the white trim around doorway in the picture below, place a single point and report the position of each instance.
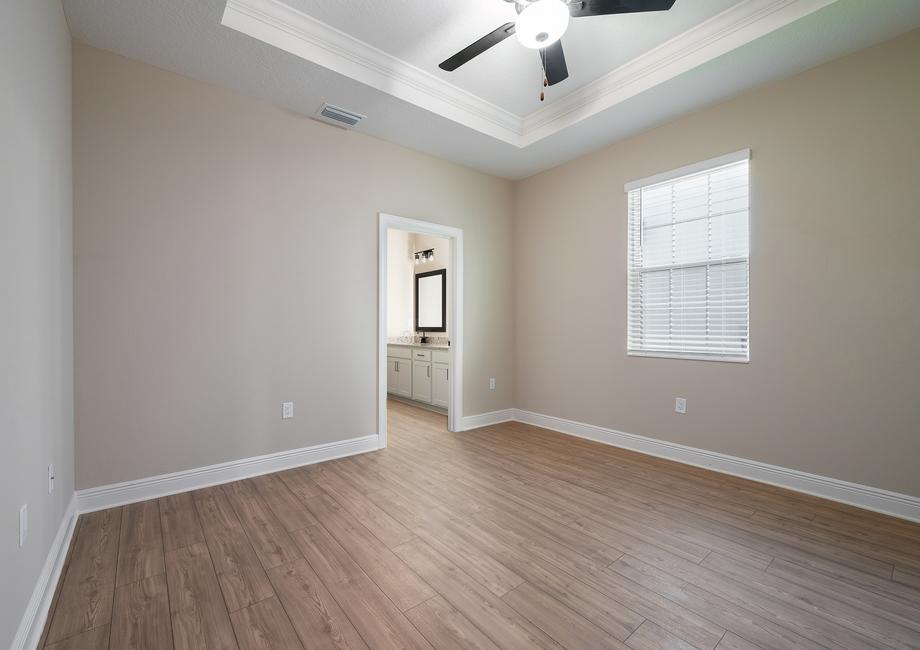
(455, 321)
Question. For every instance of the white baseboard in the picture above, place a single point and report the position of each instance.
(33, 620)
(862, 496)
(116, 494)
(485, 419)
(107, 496)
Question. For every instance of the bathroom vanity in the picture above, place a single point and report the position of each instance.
(419, 372)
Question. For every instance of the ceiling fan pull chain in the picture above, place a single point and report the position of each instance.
(543, 68)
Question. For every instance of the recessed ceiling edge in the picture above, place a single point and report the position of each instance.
(279, 25)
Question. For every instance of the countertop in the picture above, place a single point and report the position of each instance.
(433, 346)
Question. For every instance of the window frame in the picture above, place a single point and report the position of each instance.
(702, 166)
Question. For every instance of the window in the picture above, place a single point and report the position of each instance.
(688, 262)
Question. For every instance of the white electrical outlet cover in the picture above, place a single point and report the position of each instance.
(680, 405)
(491, 383)
(287, 410)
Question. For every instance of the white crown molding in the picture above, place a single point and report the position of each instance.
(278, 24)
(903, 506)
(116, 494)
(724, 32)
(293, 31)
(33, 619)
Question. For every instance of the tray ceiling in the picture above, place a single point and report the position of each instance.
(627, 73)
(425, 32)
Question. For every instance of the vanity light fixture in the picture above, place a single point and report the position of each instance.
(424, 256)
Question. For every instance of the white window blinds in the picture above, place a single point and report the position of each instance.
(688, 262)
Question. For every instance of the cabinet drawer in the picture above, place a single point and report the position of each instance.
(421, 355)
(399, 352)
(440, 356)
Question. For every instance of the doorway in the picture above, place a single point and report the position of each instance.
(452, 355)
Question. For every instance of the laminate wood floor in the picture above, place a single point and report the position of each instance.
(509, 536)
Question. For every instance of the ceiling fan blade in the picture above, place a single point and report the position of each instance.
(477, 48)
(553, 59)
(606, 7)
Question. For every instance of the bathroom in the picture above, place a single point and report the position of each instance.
(418, 317)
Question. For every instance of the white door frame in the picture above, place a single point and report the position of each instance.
(454, 326)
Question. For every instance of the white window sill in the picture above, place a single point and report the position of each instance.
(689, 357)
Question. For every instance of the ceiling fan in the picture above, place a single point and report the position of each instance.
(540, 25)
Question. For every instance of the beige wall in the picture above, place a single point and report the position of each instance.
(206, 224)
(832, 386)
(36, 293)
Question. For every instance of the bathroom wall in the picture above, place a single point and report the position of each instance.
(419, 242)
(400, 270)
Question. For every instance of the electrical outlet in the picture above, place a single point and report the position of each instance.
(491, 383)
(50, 478)
(680, 405)
(23, 524)
(287, 410)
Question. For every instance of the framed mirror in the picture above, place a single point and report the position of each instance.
(431, 301)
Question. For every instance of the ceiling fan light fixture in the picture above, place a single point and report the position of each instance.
(542, 23)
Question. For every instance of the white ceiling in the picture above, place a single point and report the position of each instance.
(425, 32)
(627, 73)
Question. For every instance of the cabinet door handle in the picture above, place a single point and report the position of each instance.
(447, 375)
(397, 366)
(428, 368)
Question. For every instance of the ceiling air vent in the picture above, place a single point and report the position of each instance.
(338, 116)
